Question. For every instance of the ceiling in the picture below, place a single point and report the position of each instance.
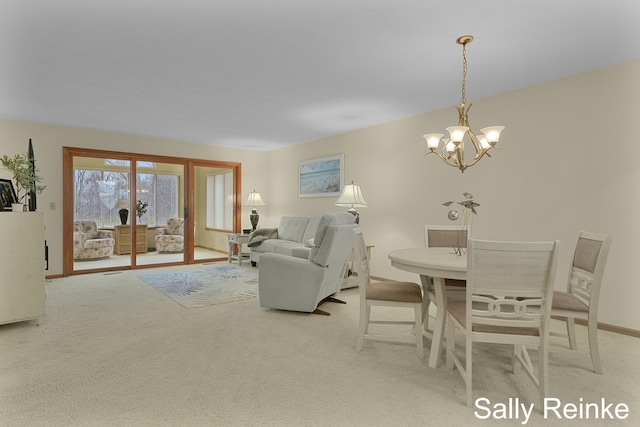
(267, 74)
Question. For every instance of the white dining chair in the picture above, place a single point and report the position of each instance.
(386, 293)
(508, 301)
(443, 236)
(580, 300)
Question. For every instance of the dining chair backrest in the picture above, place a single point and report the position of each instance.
(446, 236)
(362, 261)
(509, 284)
(587, 268)
(580, 300)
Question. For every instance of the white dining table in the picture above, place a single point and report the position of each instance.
(439, 264)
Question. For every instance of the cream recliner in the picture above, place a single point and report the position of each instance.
(298, 284)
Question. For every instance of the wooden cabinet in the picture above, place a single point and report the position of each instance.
(22, 266)
(122, 236)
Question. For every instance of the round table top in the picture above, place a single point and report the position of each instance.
(435, 262)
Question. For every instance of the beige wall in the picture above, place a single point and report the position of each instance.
(49, 140)
(564, 165)
(567, 162)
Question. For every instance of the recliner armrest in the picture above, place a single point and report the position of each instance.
(301, 252)
(289, 283)
(283, 268)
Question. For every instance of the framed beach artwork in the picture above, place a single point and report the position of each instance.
(321, 177)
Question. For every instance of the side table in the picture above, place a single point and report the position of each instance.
(236, 240)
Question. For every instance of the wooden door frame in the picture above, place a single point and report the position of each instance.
(68, 153)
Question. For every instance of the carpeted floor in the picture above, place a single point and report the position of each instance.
(202, 287)
(113, 351)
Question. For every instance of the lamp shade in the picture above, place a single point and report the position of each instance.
(492, 133)
(433, 139)
(255, 199)
(122, 204)
(457, 133)
(351, 197)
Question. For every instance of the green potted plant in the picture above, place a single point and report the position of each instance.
(25, 178)
(141, 209)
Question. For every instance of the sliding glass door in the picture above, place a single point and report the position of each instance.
(159, 204)
(133, 210)
(214, 210)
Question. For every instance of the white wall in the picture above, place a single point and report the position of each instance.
(567, 162)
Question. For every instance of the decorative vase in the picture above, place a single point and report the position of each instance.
(254, 218)
(32, 169)
(17, 207)
(124, 215)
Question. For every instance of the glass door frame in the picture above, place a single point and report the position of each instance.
(189, 202)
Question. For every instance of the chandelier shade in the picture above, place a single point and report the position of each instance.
(452, 149)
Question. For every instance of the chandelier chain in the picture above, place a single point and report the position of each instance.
(463, 100)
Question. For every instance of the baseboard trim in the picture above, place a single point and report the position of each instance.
(608, 327)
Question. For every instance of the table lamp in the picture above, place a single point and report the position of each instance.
(254, 199)
(352, 198)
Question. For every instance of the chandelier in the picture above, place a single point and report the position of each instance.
(452, 151)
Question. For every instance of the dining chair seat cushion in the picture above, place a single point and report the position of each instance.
(458, 309)
(567, 301)
(394, 291)
(455, 282)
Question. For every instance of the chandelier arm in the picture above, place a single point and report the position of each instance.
(479, 156)
(475, 141)
(459, 153)
(443, 159)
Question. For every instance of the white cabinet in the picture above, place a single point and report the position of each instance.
(22, 266)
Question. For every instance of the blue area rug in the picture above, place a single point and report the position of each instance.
(200, 288)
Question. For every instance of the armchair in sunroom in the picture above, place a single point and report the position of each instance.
(91, 243)
(171, 237)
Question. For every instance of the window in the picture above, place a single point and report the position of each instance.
(96, 194)
(220, 201)
(160, 192)
(98, 190)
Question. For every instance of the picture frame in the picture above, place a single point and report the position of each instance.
(321, 177)
(7, 195)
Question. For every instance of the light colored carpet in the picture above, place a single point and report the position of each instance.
(202, 287)
(112, 351)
